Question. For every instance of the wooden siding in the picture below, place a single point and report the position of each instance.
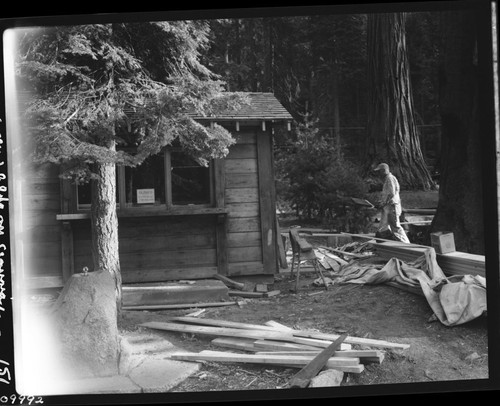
(155, 249)
(40, 232)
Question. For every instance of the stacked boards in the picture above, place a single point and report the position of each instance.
(453, 263)
(275, 344)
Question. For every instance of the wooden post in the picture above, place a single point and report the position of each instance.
(68, 263)
(221, 224)
(267, 201)
(281, 246)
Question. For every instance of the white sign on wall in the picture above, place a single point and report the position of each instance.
(145, 196)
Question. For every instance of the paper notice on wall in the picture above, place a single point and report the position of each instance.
(145, 196)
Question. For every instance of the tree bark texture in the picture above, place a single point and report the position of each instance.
(460, 207)
(392, 134)
(105, 225)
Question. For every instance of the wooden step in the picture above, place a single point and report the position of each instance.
(169, 293)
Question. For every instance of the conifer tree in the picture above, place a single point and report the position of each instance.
(95, 88)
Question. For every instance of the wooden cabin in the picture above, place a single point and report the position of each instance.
(224, 222)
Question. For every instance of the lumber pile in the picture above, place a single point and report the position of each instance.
(453, 263)
(275, 344)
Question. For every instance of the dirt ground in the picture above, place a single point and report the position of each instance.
(436, 352)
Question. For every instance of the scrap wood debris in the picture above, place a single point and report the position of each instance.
(333, 258)
(246, 289)
(275, 344)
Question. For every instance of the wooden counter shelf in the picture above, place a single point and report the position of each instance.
(184, 211)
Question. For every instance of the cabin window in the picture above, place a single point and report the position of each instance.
(145, 184)
(190, 181)
(171, 178)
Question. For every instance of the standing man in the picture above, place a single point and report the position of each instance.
(390, 203)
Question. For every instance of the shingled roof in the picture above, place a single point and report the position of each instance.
(262, 106)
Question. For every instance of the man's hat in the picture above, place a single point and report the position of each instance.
(382, 166)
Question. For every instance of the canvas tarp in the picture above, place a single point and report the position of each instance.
(454, 300)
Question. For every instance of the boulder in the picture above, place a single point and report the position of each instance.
(86, 326)
(328, 377)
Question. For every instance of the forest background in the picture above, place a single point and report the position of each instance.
(323, 69)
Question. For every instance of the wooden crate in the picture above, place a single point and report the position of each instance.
(443, 242)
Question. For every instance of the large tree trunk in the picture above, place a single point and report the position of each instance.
(105, 225)
(268, 63)
(391, 131)
(460, 191)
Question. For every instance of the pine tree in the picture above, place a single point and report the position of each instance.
(95, 88)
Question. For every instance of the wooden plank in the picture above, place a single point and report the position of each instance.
(278, 326)
(179, 306)
(165, 226)
(361, 354)
(243, 344)
(242, 195)
(333, 257)
(150, 259)
(246, 268)
(311, 341)
(220, 356)
(241, 180)
(155, 243)
(222, 323)
(290, 346)
(244, 239)
(245, 254)
(350, 254)
(333, 264)
(217, 331)
(244, 166)
(169, 243)
(236, 210)
(242, 225)
(304, 376)
(134, 275)
(246, 294)
(456, 263)
(242, 151)
(316, 339)
(323, 338)
(273, 345)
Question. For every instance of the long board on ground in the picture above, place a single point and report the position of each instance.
(298, 336)
(343, 364)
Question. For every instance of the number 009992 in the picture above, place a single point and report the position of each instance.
(20, 400)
